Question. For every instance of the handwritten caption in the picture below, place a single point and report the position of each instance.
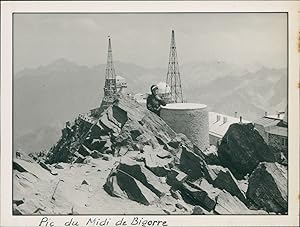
(106, 221)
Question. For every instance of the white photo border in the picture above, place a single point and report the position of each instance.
(292, 8)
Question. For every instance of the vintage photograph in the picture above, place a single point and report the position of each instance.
(150, 113)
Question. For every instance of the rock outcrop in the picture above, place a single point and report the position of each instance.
(201, 193)
(242, 148)
(122, 184)
(222, 178)
(228, 204)
(268, 187)
(192, 164)
(130, 161)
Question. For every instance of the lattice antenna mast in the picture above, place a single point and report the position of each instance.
(173, 76)
(110, 87)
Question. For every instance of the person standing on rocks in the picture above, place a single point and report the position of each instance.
(154, 102)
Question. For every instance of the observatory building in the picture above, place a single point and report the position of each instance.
(190, 119)
(219, 124)
(274, 130)
(121, 85)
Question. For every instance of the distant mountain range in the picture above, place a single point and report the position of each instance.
(47, 96)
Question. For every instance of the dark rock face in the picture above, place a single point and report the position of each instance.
(242, 148)
(142, 174)
(201, 193)
(176, 178)
(126, 125)
(222, 178)
(112, 187)
(268, 187)
(121, 184)
(192, 164)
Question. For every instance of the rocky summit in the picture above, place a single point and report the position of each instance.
(127, 160)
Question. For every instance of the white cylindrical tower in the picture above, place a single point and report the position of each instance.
(190, 119)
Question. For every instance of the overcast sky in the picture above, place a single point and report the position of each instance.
(144, 39)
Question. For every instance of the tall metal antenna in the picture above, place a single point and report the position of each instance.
(110, 87)
(173, 76)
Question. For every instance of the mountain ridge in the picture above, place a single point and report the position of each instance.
(54, 93)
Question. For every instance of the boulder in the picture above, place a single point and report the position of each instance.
(159, 166)
(139, 172)
(32, 168)
(31, 206)
(119, 182)
(222, 178)
(107, 122)
(197, 210)
(192, 164)
(242, 148)
(117, 115)
(201, 193)
(84, 182)
(176, 178)
(112, 187)
(268, 187)
(228, 204)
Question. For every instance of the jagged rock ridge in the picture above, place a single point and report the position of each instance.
(131, 156)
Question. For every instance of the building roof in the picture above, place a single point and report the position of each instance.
(271, 125)
(218, 127)
(267, 122)
(276, 130)
(278, 116)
